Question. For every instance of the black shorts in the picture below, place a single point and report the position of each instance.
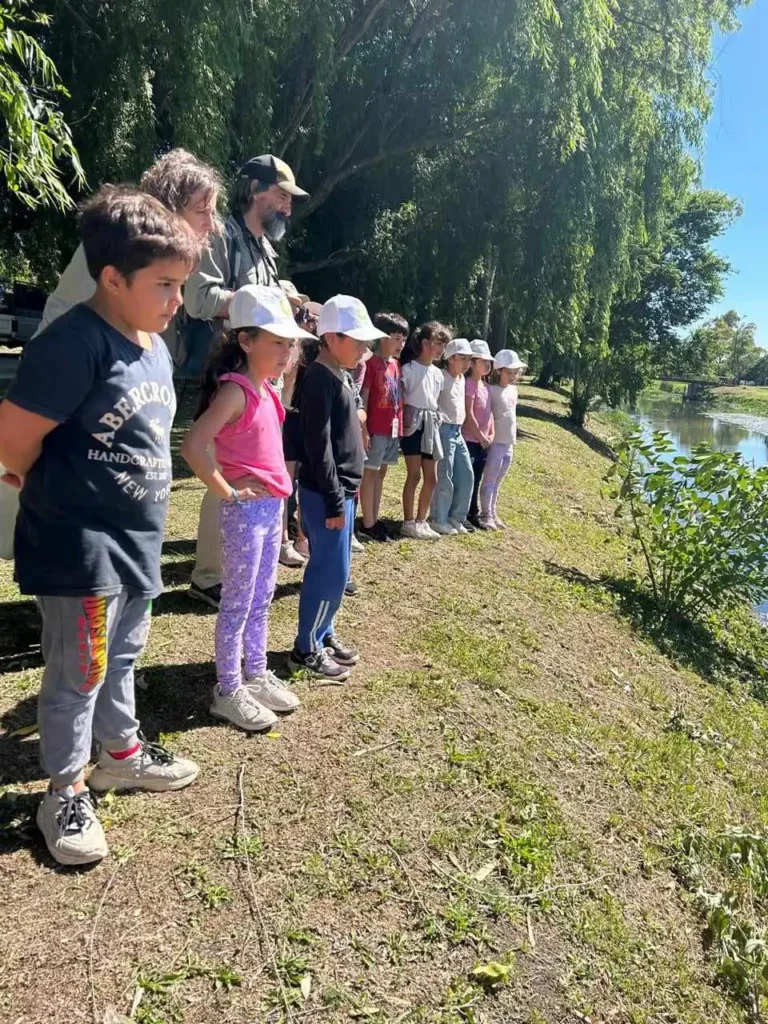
(411, 445)
(292, 436)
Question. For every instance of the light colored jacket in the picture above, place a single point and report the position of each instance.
(233, 259)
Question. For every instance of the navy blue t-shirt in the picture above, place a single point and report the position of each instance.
(93, 506)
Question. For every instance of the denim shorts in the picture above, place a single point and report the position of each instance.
(384, 451)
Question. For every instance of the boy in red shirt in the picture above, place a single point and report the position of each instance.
(383, 403)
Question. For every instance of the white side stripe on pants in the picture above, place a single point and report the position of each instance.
(322, 611)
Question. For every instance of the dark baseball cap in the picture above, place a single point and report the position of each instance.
(272, 171)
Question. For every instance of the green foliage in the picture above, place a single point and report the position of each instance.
(35, 140)
(697, 523)
(728, 874)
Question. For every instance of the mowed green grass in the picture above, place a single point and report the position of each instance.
(483, 825)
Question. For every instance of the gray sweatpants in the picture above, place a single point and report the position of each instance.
(90, 645)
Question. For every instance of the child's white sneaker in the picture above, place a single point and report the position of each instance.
(272, 693)
(409, 529)
(458, 527)
(486, 523)
(356, 547)
(499, 524)
(290, 556)
(72, 832)
(240, 708)
(444, 529)
(152, 767)
(425, 531)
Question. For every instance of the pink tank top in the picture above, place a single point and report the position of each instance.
(253, 444)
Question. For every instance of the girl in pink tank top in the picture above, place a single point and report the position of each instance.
(240, 417)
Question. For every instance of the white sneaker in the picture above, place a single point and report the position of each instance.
(426, 532)
(240, 708)
(458, 527)
(444, 529)
(290, 556)
(410, 529)
(152, 767)
(486, 523)
(72, 832)
(272, 693)
(357, 547)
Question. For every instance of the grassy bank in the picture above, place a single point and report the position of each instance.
(488, 823)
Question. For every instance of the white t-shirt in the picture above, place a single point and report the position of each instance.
(422, 385)
(452, 404)
(503, 406)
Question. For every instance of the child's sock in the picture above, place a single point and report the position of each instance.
(121, 755)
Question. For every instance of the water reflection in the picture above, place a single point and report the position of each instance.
(688, 426)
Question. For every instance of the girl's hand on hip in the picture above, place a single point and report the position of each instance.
(335, 523)
(252, 493)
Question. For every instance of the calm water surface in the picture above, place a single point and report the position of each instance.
(688, 425)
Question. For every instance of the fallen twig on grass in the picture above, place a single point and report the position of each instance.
(241, 824)
(373, 750)
(91, 940)
(414, 890)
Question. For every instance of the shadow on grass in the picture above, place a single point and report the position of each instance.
(597, 444)
(734, 649)
(19, 636)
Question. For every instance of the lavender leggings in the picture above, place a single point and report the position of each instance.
(496, 467)
(250, 547)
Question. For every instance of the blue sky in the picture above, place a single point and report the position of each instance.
(736, 161)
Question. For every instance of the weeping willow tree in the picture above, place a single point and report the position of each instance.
(516, 166)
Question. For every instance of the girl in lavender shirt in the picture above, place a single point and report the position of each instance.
(507, 370)
(478, 425)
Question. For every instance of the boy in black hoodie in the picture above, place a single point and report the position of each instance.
(329, 478)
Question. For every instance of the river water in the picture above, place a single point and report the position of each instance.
(688, 424)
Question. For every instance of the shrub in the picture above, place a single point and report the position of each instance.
(699, 524)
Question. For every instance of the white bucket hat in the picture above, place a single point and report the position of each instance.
(256, 305)
(506, 359)
(480, 350)
(457, 347)
(344, 314)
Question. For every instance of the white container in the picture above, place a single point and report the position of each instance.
(9, 507)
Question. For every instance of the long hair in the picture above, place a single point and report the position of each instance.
(176, 177)
(429, 331)
(226, 357)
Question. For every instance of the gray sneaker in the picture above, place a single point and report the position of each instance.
(152, 767)
(240, 708)
(272, 693)
(72, 832)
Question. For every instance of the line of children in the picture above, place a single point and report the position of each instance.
(92, 407)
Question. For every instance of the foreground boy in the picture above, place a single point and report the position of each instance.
(85, 433)
(329, 478)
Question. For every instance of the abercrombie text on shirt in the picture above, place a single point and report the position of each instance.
(93, 506)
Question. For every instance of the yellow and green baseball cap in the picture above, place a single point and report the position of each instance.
(272, 171)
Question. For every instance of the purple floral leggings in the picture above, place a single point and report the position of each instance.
(496, 468)
(250, 547)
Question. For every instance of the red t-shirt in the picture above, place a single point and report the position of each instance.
(385, 396)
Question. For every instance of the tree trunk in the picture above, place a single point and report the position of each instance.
(546, 376)
(489, 279)
(499, 326)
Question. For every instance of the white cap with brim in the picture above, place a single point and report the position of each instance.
(457, 347)
(480, 350)
(506, 359)
(257, 305)
(344, 314)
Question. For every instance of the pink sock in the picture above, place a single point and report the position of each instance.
(120, 755)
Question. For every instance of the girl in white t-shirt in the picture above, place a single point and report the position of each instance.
(450, 504)
(507, 370)
(422, 383)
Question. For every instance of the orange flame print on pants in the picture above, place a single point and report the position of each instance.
(92, 642)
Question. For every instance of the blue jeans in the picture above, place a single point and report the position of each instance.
(454, 477)
(326, 573)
